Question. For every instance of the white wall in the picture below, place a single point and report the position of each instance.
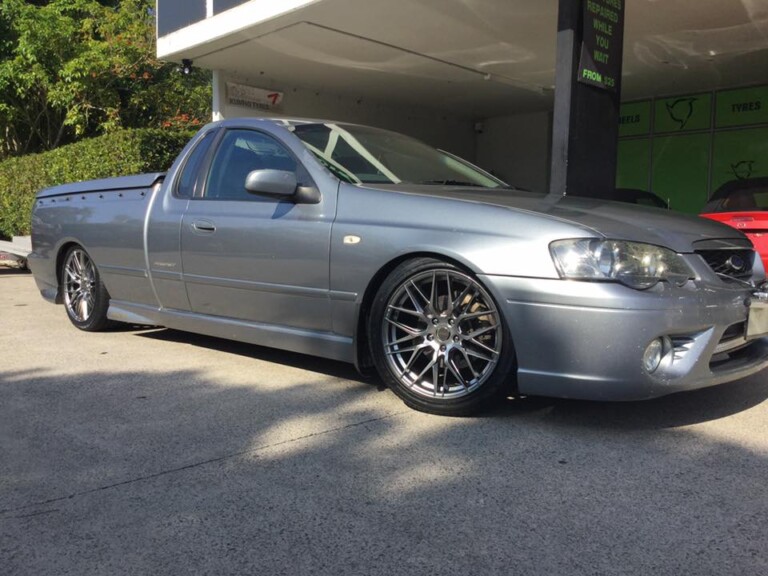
(517, 149)
(440, 130)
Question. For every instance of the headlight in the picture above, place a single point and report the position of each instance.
(636, 265)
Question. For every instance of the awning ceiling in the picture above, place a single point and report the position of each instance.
(475, 58)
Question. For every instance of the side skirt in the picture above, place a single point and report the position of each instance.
(323, 344)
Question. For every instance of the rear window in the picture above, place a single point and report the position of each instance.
(739, 199)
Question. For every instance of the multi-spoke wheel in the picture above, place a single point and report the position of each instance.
(85, 297)
(438, 338)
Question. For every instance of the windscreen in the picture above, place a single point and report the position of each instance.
(362, 155)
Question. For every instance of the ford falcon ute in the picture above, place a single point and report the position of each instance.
(370, 247)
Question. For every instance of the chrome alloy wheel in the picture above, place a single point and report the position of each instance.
(442, 334)
(79, 285)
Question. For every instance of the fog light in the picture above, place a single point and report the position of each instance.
(653, 355)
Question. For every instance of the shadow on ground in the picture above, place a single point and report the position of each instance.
(681, 409)
(313, 363)
(176, 473)
(13, 271)
(676, 410)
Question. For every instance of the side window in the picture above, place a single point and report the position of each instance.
(240, 152)
(185, 184)
(761, 198)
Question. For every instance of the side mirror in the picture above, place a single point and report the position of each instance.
(281, 183)
(273, 182)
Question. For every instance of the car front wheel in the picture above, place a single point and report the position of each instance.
(438, 339)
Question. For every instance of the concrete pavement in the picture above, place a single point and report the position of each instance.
(149, 451)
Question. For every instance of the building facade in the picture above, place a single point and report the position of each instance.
(477, 77)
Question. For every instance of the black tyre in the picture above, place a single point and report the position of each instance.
(85, 298)
(438, 339)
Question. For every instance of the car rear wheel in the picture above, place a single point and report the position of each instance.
(438, 339)
(85, 297)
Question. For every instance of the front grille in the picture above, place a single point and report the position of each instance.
(735, 263)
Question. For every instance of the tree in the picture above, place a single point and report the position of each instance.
(76, 68)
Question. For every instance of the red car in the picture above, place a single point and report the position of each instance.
(743, 204)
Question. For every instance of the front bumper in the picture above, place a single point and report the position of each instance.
(586, 340)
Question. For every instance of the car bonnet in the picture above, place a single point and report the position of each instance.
(615, 220)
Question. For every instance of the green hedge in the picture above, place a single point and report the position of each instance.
(116, 154)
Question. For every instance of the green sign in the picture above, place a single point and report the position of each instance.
(683, 113)
(684, 168)
(681, 170)
(635, 119)
(742, 107)
(634, 163)
(601, 45)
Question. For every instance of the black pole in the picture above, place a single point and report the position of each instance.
(585, 127)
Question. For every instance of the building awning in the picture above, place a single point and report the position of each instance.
(472, 58)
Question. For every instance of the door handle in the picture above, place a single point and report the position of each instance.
(204, 226)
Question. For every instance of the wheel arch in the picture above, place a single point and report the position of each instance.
(61, 253)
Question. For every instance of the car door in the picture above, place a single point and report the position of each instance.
(163, 226)
(254, 257)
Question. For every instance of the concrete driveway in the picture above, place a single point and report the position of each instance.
(158, 452)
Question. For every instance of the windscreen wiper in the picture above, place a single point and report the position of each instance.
(450, 183)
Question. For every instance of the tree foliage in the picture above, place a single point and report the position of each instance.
(121, 152)
(76, 68)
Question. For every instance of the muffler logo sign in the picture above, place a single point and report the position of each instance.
(681, 110)
(254, 98)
